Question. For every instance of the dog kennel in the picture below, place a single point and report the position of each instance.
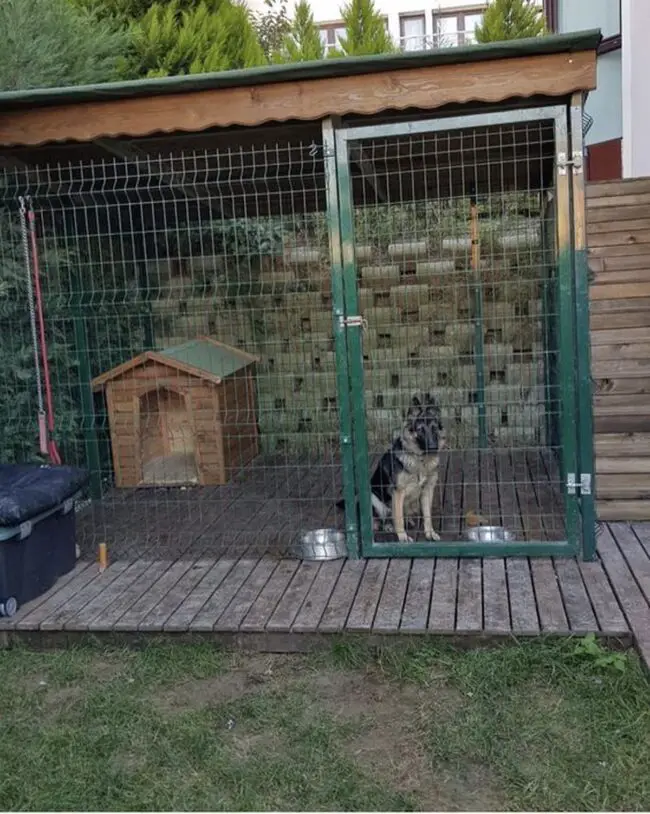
(368, 230)
(184, 416)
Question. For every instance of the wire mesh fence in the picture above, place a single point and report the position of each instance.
(189, 308)
(457, 282)
(189, 327)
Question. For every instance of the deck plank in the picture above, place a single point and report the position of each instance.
(552, 494)
(608, 612)
(549, 599)
(576, 600)
(489, 487)
(336, 612)
(234, 613)
(181, 619)
(136, 614)
(289, 605)
(108, 616)
(642, 531)
(635, 555)
(522, 598)
(28, 607)
(469, 606)
(170, 601)
(472, 494)
(496, 608)
(34, 619)
(262, 609)
(364, 607)
(59, 619)
(442, 612)
(626, 588)
(528, 509)
(313, 607)
(393, 594)
(452, 498)
(127, 577)
(510, 509)
(220, 598)
(418, 596)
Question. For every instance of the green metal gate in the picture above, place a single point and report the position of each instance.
(455, 274)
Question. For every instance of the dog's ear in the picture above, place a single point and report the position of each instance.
(414, 410)
(430, 404)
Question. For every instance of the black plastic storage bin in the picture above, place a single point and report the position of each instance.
(37, 529)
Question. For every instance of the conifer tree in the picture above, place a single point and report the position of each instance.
(365, 30)
(170, 40)
(302, 43)
(511, 20)
(51, 43)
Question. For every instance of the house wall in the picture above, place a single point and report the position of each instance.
(605, 103)
(635, 77)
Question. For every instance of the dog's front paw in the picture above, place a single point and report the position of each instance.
(430, 534)
(404, 538)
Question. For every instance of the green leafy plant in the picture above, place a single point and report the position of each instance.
(588, 647)
(82, 295)
(511, 20)
(272, 26)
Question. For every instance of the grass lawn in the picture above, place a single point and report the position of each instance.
(422, 726)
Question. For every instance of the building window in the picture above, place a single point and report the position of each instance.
(470, 21)
(412, 32)
(456, 28)
(330, 35)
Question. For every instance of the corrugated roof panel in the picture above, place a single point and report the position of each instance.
(269, 74)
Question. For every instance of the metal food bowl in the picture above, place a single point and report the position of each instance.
(489, 534)
(320, 544)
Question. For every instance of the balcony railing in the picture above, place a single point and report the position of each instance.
(448, 39)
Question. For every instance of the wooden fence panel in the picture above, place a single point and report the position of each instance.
(618, 236)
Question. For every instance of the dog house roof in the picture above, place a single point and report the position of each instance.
(204, 358)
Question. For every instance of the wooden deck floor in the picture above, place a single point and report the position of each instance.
(281, 604)
(270, 502)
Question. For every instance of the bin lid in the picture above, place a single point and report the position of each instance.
(28, 490)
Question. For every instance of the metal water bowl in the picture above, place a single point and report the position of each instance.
(321, 544)
(489, 534)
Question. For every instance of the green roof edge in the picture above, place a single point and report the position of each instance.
(322, 69)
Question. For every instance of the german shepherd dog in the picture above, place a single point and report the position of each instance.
(406, 475)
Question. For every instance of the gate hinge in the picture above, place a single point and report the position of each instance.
(573, 487)
(564, 162)
(356, 321)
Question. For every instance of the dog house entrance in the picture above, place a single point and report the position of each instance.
(449, 235)
(168, 452)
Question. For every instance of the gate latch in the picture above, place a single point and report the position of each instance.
(573, 487)
(575, 161)
(356, 321)
(571, 483)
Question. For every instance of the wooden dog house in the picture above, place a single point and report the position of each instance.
(181, 416)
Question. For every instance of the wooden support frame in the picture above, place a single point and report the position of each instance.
(427, 88)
